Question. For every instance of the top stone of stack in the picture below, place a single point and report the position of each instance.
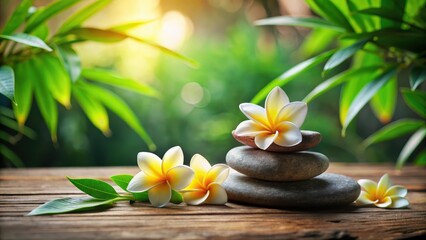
(310, 139)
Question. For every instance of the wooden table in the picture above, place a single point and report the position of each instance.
(21, 190)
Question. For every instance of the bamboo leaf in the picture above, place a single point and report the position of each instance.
(384, 101)
(15, 126)
(290, 74)
(17, 17)
(11, 156)
(93, 109)
(121, 109)
(95, 188)
(388, 13)
(393, 130)
(364, 23)
(410, 146)
(416, 100)
(79, 17)
(70, 60)
(111, 78)
(27, 39)
(65, 205)
(7, 82)
(365, 95)
(343, 54)
(130, 25)
(43, 14)
(24, 86)
(41, 32)
(317, 41)
(417, 77)
(328, 10)
(123, 181)
(309, 22)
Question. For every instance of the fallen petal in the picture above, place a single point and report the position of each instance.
(288, 135)
(160, 195)
(217, 195)
(399, 202)
(274, 102)
(172, 158)
(142, 182)
(294, 112)
(264, 140)
(396, 190)
(180, 177)
(195, 197)
(255, 113)
(150, 164)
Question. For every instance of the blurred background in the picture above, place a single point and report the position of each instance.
(199, 106)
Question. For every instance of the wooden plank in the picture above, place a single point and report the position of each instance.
(21, 190)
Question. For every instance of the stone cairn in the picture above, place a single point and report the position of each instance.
(286, 177)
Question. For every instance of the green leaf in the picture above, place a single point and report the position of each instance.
(337, 80)
(11, 156)
(387, 13)
(290, 74)
(7, 82)
(384, 102)
(410, 146)
(317, 41)
(130, 25)
(95, 188)
(417, 77)
(310, 22)
(176, 197)
(70, 60)
(64, 205)
(343, 54)
(361, 23)
(123, 181)
(121, 109)
(17, 17)
(365, 95)
(105, 35)
(24, 86)
(111, 78)
(27, 39)
(47, 12)
(421, 159)
(41, 32)
(79, 17)
(328, 10)
(93, 108)
(15, 126)
(393, 130)
(416, 100)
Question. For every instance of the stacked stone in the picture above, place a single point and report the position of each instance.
(286, 177)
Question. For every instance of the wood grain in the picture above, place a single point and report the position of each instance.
(21, 190)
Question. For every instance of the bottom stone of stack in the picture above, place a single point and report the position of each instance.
(324, 191)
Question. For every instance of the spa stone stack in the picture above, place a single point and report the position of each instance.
(286, 177)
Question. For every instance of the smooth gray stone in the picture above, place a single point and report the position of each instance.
(326, 190)
(309, 140)
(273, 166)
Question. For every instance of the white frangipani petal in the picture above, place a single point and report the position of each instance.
(255, 113)
(195, 197)
(249, 128)
(172, 158)
(200, 165)
(264, 140)
(383, 185)
(288, 135)
(217, 195)
(150, 164)
(142, 182)
(364, 199)
(274, 102)
(214, 174)
(160, 195)
(398, 202)
(294, 112)
(368, 185)
(397, 190)
(179, 177)
(385, 202)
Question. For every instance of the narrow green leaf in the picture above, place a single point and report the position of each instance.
(384, 101)
(111, 78)
(70, 60)
(93, 109)
(421, 159)
(337, 80)
(416, 100)
(410, 146)
(317, 41)
(309, 22)
(387, 13)
(65, 205)
(365, 95)
(123, 181)
(176, 197)
(95, 188)
(361, 23)
(393, 130)
(24, 86)
(41, 32)
(290, 74)
(15, 126)
(11, 156)
(343, 54)
(27, 39)
(417, 77)
(7, 82)
(44, 13)
(328, 10)
(17, 17)
(79, 17)
(130, 25)
(121, 109)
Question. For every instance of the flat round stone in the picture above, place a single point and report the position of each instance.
(274, 166)
(309, 140)
(323, 191)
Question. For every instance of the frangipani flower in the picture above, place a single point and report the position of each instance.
(383, 194)
(160, 177)
(279, 122)
(205, 187)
